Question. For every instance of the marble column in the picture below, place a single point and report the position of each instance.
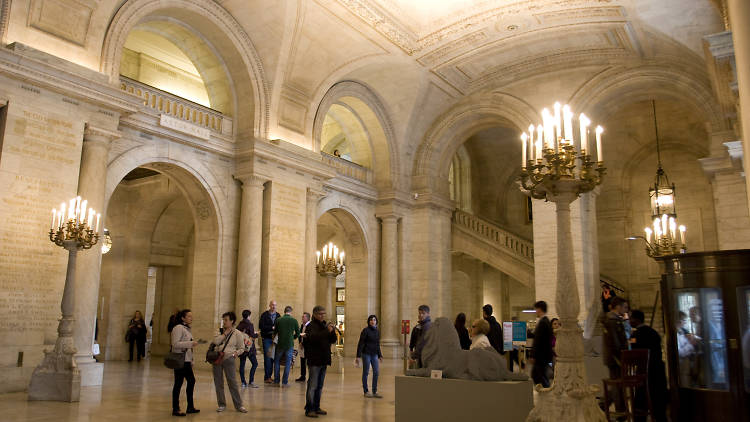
(739, 16)
(91, 184)
(389, 326)
(247, 293)
(311, 240)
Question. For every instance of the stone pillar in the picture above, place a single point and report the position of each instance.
(91, 185)
(389, 326)
(247, 294)
(311, 241)
(739, 16)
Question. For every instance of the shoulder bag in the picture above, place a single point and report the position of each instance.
(215, 357)
(174, 360)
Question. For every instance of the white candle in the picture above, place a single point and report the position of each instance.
(599, 156)
(54, 216)
(523, 150)
(325, 252)
(682, 235)
(98, 217)
(558, 121)
(72, 209)
(78, 209)
(330, 250)
(648, 234)
(84, 204)
(672, 228)
(62, 213)
(539, 149)
(548, 136)
(342, 258)
(568, 116)
(584, 121)
(539, 137)
(91, 217)
(318, 259)
(664, 225)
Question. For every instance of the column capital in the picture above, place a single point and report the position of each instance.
(252, 180)
(388, 217)
(314, 194)
(92, 133)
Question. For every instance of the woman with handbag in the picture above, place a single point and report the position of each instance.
(230, 344)
(182, 342)
(136, 335)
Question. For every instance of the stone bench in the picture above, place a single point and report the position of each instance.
(433, 400)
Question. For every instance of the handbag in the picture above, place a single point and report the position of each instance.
(174, 360)
(214, 357)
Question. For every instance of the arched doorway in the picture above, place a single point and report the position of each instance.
(164, 255)
(353, 290)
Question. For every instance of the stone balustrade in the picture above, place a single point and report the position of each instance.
(347, 168)
(177, 107)
(519, 247)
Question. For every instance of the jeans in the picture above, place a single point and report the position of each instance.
(368, 360)
(253, 361)
(314, 387)
(282, 354)
(180, 374)
(226, 367)
(267, 358)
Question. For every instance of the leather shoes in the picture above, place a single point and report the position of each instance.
(177, 413)
(321, 412)
(311, 414)
(193, 410)
(300, 379)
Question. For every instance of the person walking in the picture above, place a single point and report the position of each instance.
(614, 342)
(302, 359)
(416, 341)
(136, 336)
(266, 323)
(231, 343)
(182, 342)
(287, 329)
(496, 330)
(463, 333)
(247, 328)
(368, 349)
(542, 345)
(319, 336)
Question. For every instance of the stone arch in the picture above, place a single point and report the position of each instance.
(451, 129)
(369, 109)
(219, 29)
(616, 87)
(460, 179)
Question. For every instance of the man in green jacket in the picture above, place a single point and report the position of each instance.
(287, 329)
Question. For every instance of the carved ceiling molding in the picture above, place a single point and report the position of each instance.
(390, 26)
(134, 11)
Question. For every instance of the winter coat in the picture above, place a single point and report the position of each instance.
(369, 342)
(266, 323)
(318, 341)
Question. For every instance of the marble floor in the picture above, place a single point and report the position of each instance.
(142, 392)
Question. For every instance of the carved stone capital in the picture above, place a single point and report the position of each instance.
(252, 181)
(94, 134)
(315, 195)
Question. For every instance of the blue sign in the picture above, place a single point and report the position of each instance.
(519, 332)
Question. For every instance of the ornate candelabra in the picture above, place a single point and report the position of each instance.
(330, 263)
(559, 169)
(57, 377)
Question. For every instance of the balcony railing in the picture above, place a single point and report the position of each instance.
(515, 245)
(177, 107)
(347, 168)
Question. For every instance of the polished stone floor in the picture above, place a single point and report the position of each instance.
(142, 392)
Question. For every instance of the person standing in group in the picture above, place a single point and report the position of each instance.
(302, 359)
(463, 333)
(319, 337)
(287, 329)
(136, 336)
(368, 349)
(247, 328)
(416, 341)
(182, 342)
(496, 330)
(267, 324)
(645, 337)
(542, 345)
(614, 342)
(231, 343)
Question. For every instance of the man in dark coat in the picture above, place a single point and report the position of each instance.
(267, 323)
(416, 341)
(614, 342)
(542, 345)
(319, 336)
(645, 337)
(495, 336)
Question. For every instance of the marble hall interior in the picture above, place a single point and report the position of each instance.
(369, 157)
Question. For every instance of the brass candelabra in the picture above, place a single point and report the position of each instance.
(330, 264)
(538, 174)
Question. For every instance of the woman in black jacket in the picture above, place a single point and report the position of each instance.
(136, 335)
(463, 333)
(369, 350)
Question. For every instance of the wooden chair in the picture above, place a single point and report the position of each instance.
(634, 376)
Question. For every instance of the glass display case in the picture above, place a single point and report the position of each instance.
(706, 306)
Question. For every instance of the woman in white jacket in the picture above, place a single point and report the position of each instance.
(479, 330)
(232, 343)
(182, 342)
